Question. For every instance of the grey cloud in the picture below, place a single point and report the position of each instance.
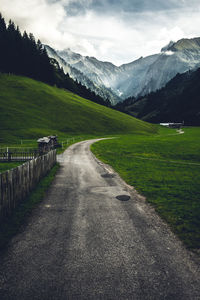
(52, 1)
(75, 9)
(78, 7)
(115, 30)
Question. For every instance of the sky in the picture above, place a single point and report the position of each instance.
(118, 31)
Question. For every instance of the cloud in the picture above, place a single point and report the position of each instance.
(37, 16)
(118, 31)
(123, 6)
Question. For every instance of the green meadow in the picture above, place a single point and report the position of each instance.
(165, 168)
(4, 166)
(30, 109)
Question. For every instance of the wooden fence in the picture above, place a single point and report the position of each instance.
(18, 154)
(17, 183)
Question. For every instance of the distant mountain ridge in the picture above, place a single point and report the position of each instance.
(70, 66)
(137, 78)
(176, 102)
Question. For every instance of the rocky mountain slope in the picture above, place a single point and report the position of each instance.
(178, 101)
(137, 78)
(69, 65)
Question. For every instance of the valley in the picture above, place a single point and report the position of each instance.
(113, 213)
(143, 153)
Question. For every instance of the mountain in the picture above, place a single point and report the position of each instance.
(178, 101)
(139, 77)
(153, 72)
(70, 66)
(36, 109)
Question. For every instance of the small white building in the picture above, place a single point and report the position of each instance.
(173, 125)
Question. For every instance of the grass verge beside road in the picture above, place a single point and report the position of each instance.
(4, 166)
(11, 226)
(165, 168)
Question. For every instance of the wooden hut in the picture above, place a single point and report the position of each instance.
(44, 144)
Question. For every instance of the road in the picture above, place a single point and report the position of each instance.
(94, 237)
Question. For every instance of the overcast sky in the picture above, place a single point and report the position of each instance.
(119, 31)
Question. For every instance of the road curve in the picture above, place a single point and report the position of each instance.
(93, 237)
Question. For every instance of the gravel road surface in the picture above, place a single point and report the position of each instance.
(93, 237)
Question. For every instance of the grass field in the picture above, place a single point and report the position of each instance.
(165, 168)
(30, 109)
(4, 166)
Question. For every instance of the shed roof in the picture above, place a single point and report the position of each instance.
(44, 140)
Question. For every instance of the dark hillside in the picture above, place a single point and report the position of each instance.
(179, 100)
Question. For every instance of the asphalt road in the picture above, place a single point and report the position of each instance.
(93, 237)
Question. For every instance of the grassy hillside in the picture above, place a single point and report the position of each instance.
(31, 109)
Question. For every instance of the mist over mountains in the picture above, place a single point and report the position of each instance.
(178, 101)
(138, 78)
(91, 80)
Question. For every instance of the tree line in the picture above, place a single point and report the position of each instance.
(21, 54)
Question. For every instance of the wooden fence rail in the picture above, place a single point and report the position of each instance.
(18, 154)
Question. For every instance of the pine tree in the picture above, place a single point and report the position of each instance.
(3, 43)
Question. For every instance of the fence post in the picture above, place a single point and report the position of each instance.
(8, 154)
